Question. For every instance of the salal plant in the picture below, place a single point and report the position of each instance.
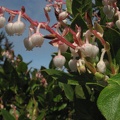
(83, 80)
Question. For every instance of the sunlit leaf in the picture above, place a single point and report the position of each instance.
(109, 99)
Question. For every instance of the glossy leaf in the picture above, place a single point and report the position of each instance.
(68, 5)
(113, 37)
(81, 6)
(69, 93)
(61, 76)
(109, 99)
(78, 20)
(79, 92)
(6, 115)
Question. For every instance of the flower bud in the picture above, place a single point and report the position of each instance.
(48, 8)
(2, 21)
(9, 29)
(99, 76)
(107, 9)
(81, 66)
(59, 61)
(73, 65)
(111, 13)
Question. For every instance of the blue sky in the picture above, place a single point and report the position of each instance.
(34, 8)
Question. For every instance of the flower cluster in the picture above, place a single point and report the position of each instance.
(84, 45)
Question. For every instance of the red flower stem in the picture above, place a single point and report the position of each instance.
(99, 37)
(44, 26)
(59, 37)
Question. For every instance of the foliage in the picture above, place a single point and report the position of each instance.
(87, 91)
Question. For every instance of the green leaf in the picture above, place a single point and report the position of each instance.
(22, 67)
(79, 92)
(113, 37)
(98, 28)
(81, 6)
(7, 67)
(98, 2)
(78, 20)
(42, 115)
(118, 57)
(61, 76)
(64, 105)
(57, 98)
(6, 115)
(109, 99)
(69, 93)
(68, 5)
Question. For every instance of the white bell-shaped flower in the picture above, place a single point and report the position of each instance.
(37, 38)
(107, 9)
(2, 21)
(63, 47)
(73, 65)
(111, 13)
(27, 41)
(18, 26)
(86, 49)
(118, 24)
(63, 15)
(95, 51)
(28, 44)
(9, 29)
(101, 66)
(59, 61)
(73, 52)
